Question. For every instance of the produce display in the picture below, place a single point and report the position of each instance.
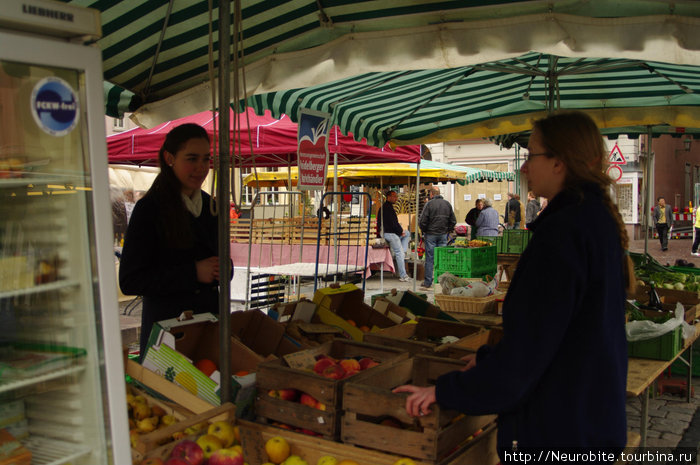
(463, 242)
(649, 271)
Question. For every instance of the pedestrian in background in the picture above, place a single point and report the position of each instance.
(512, 216)
(696, 241)
(487, 222)
(390, 229)
(472, 215)
(436, 220)
(663, 221)
(532, 209)
(557, 379)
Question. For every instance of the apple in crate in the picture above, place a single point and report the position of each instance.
(188, 451)
(335, 371)
(351, 366)
(367, 362)
(209, 444)
(226, 457)
(323, 363)
(308, 400)
(176, 461)
(224, 431)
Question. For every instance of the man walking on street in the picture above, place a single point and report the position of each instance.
(390, 229)
(512, 215)
(663, 220)
(436, 220)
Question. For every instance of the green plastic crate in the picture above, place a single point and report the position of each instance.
(468, 262)
(685, 269)
(515, 240)
(680, 368)
(497, 241)
(660, 348)
(437, 272)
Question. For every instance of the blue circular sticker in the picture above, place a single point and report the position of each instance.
(54, 106)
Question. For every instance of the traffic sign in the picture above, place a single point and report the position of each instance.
(616, 157)
(615, 172)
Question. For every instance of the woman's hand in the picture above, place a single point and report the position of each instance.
(470, 361)
(419, 401)
(208, 270)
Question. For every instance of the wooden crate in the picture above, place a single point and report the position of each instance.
(419, 338)
(480, 451)
(275, 374)
(474, 341)
(436, 436)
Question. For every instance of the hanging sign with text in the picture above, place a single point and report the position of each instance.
(312, 152)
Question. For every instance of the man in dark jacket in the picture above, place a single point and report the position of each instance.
(512, 216)
(390, 229)
(436, 221)
(663, 220)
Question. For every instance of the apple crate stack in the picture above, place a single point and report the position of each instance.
(304, 390)
(425, 337)
(376, 418)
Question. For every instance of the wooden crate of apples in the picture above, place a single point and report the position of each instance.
(376, 418)
(209, 438)
(303, 391)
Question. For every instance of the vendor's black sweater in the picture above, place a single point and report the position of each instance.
(557, 379)
(167, 277)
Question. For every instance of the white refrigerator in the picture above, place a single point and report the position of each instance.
(62, 389)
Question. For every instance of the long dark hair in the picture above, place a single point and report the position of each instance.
(174, 222)
(574, 138)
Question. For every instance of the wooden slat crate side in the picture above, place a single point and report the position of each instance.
(383, 376)
(274, 375)
(410, 346)
(389, 439)
(325, 422)
(427, 369)
(379, 402)
(453, 434)
(433, 327)
(347, 349)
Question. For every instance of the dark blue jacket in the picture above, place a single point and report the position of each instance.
(558, 377)
(391, 220)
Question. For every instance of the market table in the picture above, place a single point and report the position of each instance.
(642, 372)
(349, 256)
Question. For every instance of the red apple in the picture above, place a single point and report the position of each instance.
(322, 364)
(308, 400)
(288, 394)
(189, 451)
(350, 365)
(334, 372)
(367, 362)
(226, 457)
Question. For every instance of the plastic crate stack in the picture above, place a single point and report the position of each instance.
(513, 241)
(465, 262)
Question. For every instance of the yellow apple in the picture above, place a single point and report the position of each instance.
(405, 461)
(158, 410)
(295, 460)
(224, 431)
(194, 429)
(147, 424)
(209, 444)
(168, 420)
(277, 449)
(141, 411)
(327, 460)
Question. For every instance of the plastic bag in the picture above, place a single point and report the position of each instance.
(645, 329)
(452, 285)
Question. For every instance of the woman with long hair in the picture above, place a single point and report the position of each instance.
(170, 254)
(557, 378)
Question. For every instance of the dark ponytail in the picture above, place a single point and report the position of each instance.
(167, 189)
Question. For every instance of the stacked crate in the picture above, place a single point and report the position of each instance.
(465, 262)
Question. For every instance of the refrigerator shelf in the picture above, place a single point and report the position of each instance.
(54, 286)
(9, 385)
(47, 451)
(37, 180)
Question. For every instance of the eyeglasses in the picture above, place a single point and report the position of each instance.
(529, 155)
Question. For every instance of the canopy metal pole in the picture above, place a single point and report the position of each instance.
(337, 208)
(415, 223)
(381, 233)
(646, 188)
(224, 222)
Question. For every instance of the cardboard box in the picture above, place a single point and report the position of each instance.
(175, 345)
(392, 311)
(335, 306)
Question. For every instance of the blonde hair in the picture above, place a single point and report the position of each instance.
(574, 138)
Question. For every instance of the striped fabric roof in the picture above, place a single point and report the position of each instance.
(502, 97)
(156, 51)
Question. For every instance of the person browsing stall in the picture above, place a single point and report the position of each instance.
(557, 378)
(390, 229)
(170, 254)
(472, 216)
(436, 220)
(487, 222)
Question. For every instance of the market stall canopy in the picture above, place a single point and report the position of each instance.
(265, 141)
(502, 97)
(158, 49)
(388, 174)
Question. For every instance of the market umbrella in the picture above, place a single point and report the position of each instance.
(265, 142)
(157, 51)
(390, 173)
(499, 97)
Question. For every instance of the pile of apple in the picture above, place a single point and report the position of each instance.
(333, 368)
(219, 446)
(145, 418)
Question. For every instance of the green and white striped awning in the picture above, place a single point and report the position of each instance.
(159, 49)
(502, 97)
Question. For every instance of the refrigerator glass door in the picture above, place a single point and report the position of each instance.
(54, 369)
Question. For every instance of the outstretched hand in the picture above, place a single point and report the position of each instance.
(420, 399)
(207, 270)
(470, 362)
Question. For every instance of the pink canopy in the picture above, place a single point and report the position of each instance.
(273, 141)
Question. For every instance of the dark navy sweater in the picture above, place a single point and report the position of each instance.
(557, 379)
